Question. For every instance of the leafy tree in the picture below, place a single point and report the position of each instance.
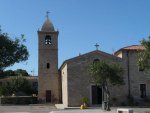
(21, 72)
(9, 73)
(144, 56)
(20, 84)
(103, 74)
(11, 51)
(4, 90)
(18, 72)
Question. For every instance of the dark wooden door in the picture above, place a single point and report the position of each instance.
(48, 95)
(143, 90)
(96, 95)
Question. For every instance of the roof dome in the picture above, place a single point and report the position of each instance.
(47, 26)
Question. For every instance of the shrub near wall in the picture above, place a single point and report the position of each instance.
(19, 100)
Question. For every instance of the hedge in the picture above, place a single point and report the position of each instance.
(18, 100)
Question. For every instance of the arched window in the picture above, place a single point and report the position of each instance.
(48, 40)
(95, 60)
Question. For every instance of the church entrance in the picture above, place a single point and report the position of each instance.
(143, 90)
(96, 95)
(48, 95)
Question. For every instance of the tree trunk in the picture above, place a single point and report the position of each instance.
(106, 90)
(108, 102)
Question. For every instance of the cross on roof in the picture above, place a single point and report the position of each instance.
(47, 13)
(97, 46)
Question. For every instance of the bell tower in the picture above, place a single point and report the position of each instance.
(48, 84)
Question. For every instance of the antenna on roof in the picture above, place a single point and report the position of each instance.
(113, 51)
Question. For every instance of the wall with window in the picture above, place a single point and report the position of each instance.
(137, 77)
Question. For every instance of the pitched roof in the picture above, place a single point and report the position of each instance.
(89, 53)
(47, 26)
(132, 48)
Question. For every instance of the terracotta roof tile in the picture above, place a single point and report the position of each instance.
(131, 48)
(134, 47)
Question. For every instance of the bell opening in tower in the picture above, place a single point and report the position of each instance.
(48, 40)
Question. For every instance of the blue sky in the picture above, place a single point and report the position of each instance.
(112, 24)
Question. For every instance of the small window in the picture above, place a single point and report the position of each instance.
(96, 60)
(143, 90)
(48, 65)
(48, 40)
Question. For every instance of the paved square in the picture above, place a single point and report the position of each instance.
(52, 109)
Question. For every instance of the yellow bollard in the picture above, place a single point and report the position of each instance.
(81, 107)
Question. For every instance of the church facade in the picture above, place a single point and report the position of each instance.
(70, 83)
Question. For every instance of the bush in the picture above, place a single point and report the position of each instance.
(84, 100)
(114, 101)
(19, 100)
(4, 90)
(130, 101)
(19, 86)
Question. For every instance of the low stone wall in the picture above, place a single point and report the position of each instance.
(18, 100)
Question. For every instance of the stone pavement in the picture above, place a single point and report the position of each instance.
(52, 109)
(113, 110)
(84, 111)
(27, 109)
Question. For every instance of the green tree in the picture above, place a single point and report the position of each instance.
(8, 73)
(18, 72)
(144, 56)
(4, 90)
(103, 74)
(11, 51)
(20, 84)
(21, 72)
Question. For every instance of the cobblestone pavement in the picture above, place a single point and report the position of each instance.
(52, 109)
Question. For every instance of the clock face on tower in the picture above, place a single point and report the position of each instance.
(48, 40)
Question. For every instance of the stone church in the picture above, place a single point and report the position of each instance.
(70, 83)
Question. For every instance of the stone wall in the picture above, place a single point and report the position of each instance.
(64, 75)
(136, 77)
(79, 84)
